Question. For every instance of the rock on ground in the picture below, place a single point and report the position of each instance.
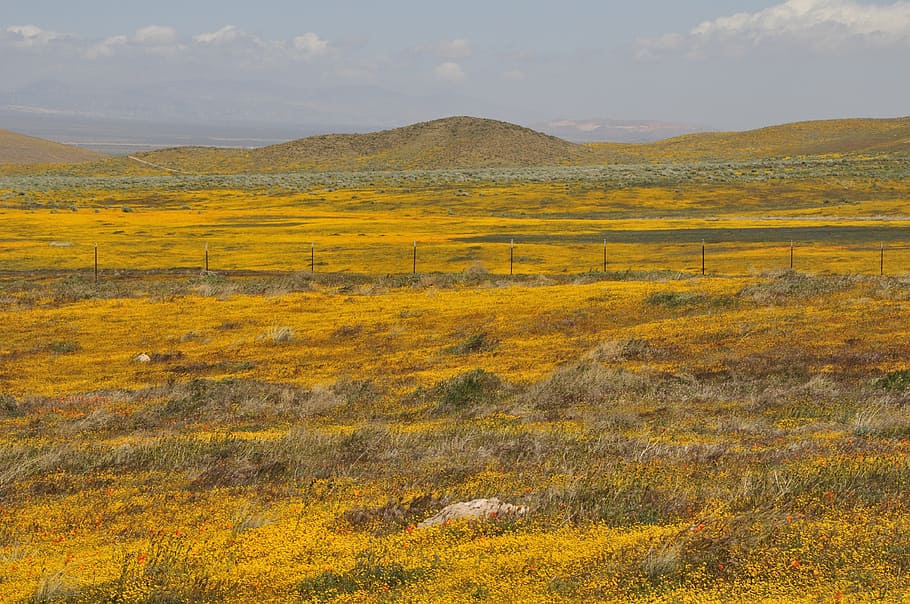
(478, 509)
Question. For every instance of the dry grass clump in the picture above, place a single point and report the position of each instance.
(587, 384)
(882, 418)
(785, 287)
(278, 333)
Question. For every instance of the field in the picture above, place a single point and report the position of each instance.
(738, 436)
(838, 213)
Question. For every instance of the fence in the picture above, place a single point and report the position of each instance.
(508, 256)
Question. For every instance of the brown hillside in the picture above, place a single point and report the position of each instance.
(21, 149)
(824, 137)
(464, 142)
(456, 142)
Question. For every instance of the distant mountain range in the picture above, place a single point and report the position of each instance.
(615, 131)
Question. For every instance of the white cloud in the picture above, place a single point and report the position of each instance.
(154, 39)
(229, 34)
(156, 35)
(106, 48)
(458, 48)
(29, 36)
(822, 25)
(449, 72)
(515, 75)
(310, 45)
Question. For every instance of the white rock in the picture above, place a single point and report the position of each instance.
(142, 358)
(478, 509)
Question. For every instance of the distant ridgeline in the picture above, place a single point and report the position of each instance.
(464, 142)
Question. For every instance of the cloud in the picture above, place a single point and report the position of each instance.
(155, 35)
(310, 45)
(106, 48)
(226, 35)
(515, 75)
(153, 40)
(822, 25)
(458, 48)
(29, 36)
(214, 47)
(447, 50)
(449, 72)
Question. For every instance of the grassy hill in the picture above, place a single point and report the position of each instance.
(826, 137)
(456, 142)
(21, 149)
(466, 142)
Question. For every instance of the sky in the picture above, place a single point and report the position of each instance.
(735, 64)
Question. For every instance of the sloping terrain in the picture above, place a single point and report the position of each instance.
(456, 142)
(21, 149)
(824, 137)
(466, 142)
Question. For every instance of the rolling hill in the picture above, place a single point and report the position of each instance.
(21, 149)
(455, 142)
(825, 137)
(466, 142)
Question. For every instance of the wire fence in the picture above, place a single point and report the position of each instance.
(502, 257)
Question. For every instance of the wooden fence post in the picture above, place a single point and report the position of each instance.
(511, 255)
(206, 257)
(791, 254)
(605, 255)
(313, 257)
(96, 262)
(415, 258)
(702, 257)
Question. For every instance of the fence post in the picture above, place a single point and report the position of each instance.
(791, 254)
(511, 255)
(313, 257)
(96, 262)
(415, 257)
(206, 257)
(605, 255)
(703, 257)
(882, 261)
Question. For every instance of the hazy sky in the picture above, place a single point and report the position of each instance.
(730, 64)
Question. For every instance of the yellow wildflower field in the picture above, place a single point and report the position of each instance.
(372, 228)
(691, 439)
(261, 432)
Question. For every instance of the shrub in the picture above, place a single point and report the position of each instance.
(898, 380)
(479, 342)
(9, 405)
(467, 390)
(582, 383)
(675, 299)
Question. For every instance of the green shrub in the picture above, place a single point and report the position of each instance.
(897, 380)
(467, 390)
